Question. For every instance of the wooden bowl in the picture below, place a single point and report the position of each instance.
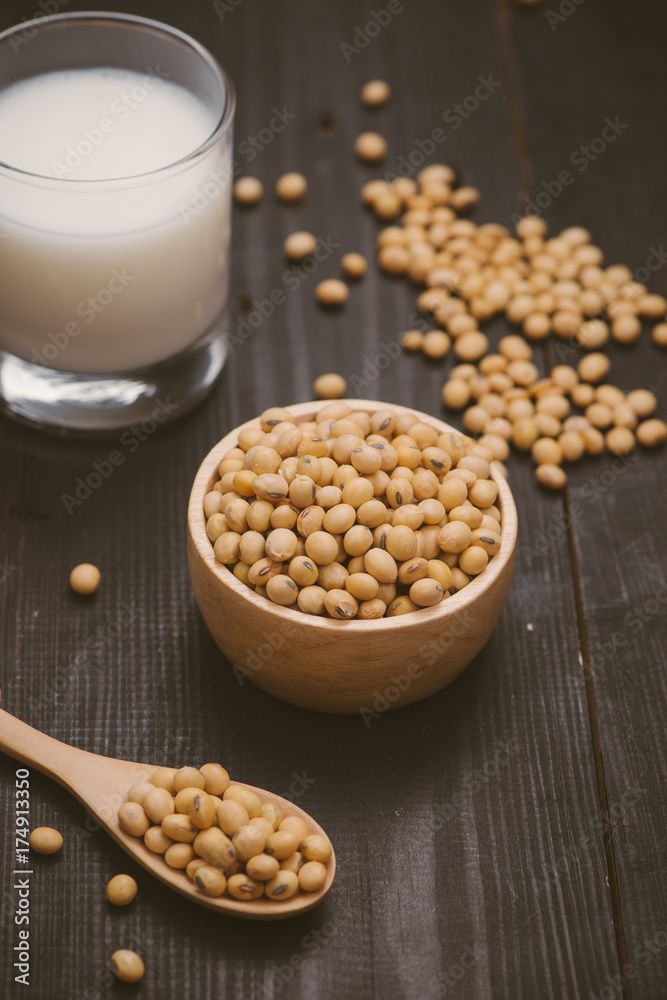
(344, 666)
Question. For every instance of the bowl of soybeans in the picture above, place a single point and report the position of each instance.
(351, 555)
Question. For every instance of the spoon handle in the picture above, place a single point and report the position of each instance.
(76, 770)
(42, 752)
(100, 783)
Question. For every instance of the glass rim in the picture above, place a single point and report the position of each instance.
(227, 88)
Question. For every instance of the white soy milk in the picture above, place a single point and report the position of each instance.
(104, 266)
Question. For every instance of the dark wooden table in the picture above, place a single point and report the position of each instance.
(505, 838)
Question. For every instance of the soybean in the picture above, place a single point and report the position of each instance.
(332, 292)
(282, 886)
(127, 966)
(291, 187)
(248, 190)
(121, 890)
(330, 386)
(85, 578)
(46, 840)
(312, 876)
(370, 146)
(210, 880)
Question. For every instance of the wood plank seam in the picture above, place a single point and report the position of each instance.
(510, 61)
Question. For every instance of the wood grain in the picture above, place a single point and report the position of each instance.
(619, 542)
(467, 827)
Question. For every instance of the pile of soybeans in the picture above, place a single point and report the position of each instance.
(545, 286)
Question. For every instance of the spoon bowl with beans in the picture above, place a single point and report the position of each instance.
(105, 784)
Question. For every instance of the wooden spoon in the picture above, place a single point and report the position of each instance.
(101, 785)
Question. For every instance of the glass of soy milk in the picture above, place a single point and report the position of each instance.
(115, 187)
